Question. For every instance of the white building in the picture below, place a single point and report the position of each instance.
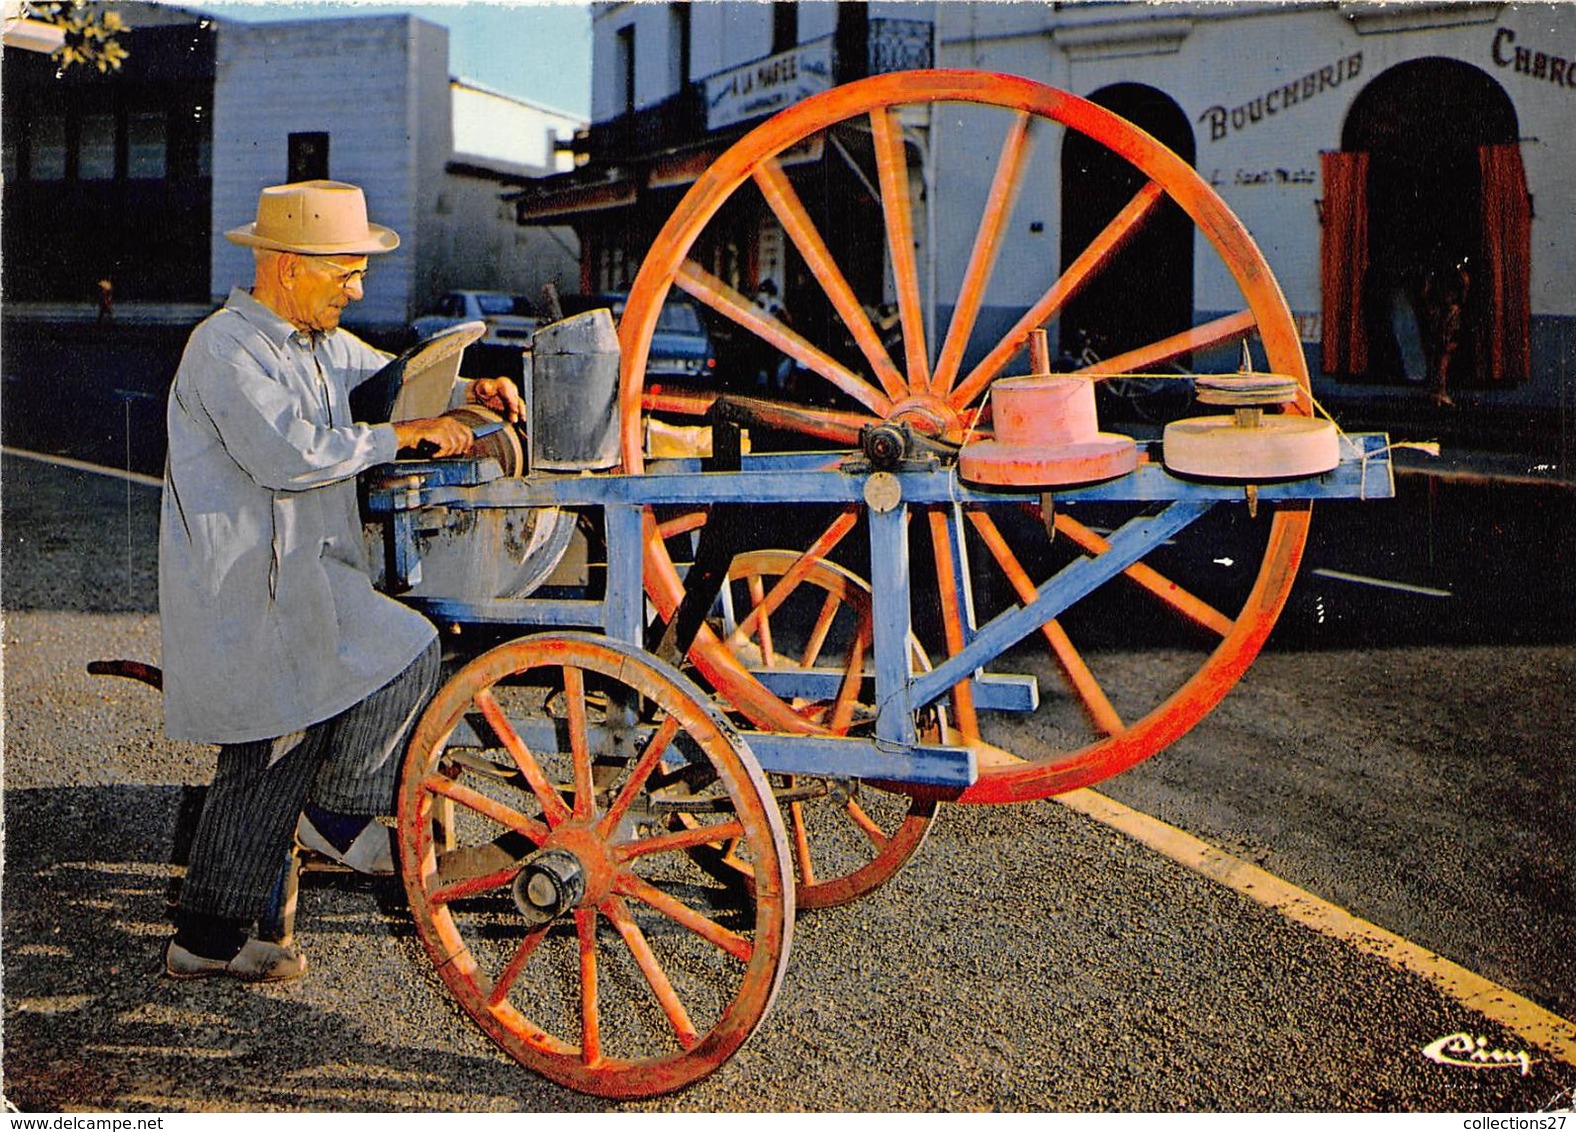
(206, 112)
(1367, 147)
(369, 100)
(1363, 145)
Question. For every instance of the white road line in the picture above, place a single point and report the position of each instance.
(1382, 583)
(1542, 1028)
(84, 466)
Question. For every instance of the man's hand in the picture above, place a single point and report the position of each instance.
(445, 435)
(500, 395)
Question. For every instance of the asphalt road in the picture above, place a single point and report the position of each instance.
(1026, 959)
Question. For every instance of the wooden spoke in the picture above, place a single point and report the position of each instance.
(639, 775)
(684, 403)
(801, 841)
(546, 793)
(590, 1014)
(801, 229)
(511, 972)
(1225, 329)
(853, 676)
(723, 299)
(1193, 608)
(761, 616)
(575, 695)
(680, 840)
(499, 812)
(708, 929)
(682, 524)
(795, 576)
(651, 970)
(473, 886)
(892, 172)
(820, 630)
(856, 814)
(1088, 264)
(1096, 704)
(987, 243)
(952, 620)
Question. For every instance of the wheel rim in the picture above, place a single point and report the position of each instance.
(846, 838)
(942, 397)
(565, 917)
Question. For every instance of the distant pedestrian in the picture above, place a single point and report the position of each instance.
(772, 367)
(106, 300)
(1444, 301)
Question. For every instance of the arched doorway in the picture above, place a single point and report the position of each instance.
(1147, 292)
(1440, 139)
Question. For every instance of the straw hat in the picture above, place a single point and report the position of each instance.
(314, 218)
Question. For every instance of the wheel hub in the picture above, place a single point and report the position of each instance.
(930, 415)
(551, 883)
(573, 870)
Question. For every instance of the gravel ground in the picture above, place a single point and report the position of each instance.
(1027, 959)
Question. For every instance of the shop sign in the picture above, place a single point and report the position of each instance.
(1280, 98)
(768, 85)
(1557, 69)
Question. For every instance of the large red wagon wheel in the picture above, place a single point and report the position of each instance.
(559, 906)
(1114, 721)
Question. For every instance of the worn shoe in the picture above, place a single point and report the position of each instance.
(257, 962)
(357, 843)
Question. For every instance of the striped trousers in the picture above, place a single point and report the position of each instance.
(349, 764)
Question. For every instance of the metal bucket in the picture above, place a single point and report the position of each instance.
(574, 394)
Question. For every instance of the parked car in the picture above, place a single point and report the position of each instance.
(681, 346)
(511, 319)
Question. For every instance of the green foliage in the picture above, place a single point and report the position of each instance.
(90, 28)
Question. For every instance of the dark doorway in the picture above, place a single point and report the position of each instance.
(1422, 125)
(1146, 292)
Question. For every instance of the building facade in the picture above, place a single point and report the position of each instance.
(153, 162)
(675, 84)
(1406, 170)
(1401, 166)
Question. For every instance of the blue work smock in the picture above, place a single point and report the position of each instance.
(270, 622)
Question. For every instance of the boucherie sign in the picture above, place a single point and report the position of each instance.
(768, 85)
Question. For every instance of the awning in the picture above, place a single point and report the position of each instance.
(545, 202)
(679, 170)
(559, 199)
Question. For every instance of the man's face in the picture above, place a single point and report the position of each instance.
(324, 287)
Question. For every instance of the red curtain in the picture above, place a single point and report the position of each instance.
(1505, 275)
(1343, 258)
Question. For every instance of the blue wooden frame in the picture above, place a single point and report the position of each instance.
(395, 494)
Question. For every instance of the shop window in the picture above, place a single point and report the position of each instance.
(625, 45)
(785, 26)
(96, 148)
(191, 144)
(678, 45)
(47, 151)
(146, 146)
(308, 157)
